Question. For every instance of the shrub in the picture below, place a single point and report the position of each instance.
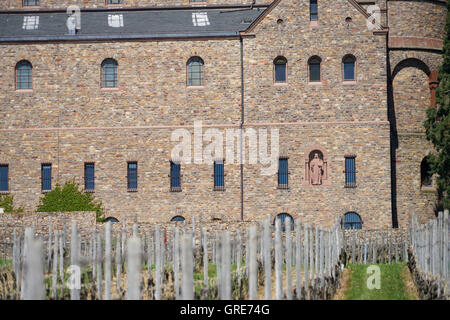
(6, 202)
(70, 198)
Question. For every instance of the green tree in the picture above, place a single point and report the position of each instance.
(437, 124)
(70, 198)
(6, 202)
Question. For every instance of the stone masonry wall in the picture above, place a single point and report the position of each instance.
(67, 119)
(417, 18)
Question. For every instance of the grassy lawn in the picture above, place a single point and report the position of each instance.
(392, 283)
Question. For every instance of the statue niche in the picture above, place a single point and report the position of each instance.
(316, 168)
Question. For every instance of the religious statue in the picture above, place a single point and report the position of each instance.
(316, 170)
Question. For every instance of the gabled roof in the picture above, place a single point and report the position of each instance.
(276, 2)
(117, 24)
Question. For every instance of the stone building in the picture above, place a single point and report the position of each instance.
(96, 95)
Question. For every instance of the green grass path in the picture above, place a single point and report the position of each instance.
(392, 286)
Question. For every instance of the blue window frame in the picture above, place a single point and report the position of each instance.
(283, 217)
(314, 69)
(350, 172)
(132, 175)
(219, 181)
(4, 177)
(352, 220)
(24, 76)
(313, 10)
(349, 68)
(283, 174)
(30, 3)
(89, 177)
(114, 1)
(280, 65)
(175, 183)
(109, 73)
(195, 71)
(46, 171)
(177, 218)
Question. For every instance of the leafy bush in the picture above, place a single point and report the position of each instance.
(70, 198)
(6, 202)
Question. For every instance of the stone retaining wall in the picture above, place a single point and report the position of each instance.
(430, 287)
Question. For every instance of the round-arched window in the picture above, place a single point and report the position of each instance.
(283, 217)
(349, 67)
(109, 73)
(24, 75)
(195, 71)
(352, 220)
(177, 218)
(280, 64)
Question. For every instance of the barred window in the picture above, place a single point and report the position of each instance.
(89, 178)
(113, 1)
(46, 176)
(109, 73)
(175, 183)
(352, 220)
(280, 64)
(195, 71)
(349, 67)
(283, 217)
(30, 3)
(313, 10)
(314, 69)
(350, 172)
(24, 76)
(132, 175)
(283, 173)
(219, 175)
(4, 172)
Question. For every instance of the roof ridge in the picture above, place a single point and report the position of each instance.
(152, 8)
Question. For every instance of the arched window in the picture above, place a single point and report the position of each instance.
(109, 73)
(283, 217)
(426, 178)
(195, 71)
(24, 76)
(314, 69)
(313, 10)
(352, 220)
(177, 218)
(280, 69)
(348, 63)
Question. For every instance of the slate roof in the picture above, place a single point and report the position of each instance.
(139, 24)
